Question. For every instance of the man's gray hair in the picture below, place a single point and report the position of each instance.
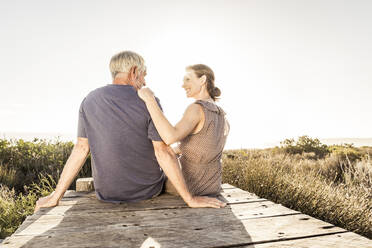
(123, 61)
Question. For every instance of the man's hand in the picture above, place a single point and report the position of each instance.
(146, 94)
(46, 202)
(205, 202)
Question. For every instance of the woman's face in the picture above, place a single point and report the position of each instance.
(191, 83)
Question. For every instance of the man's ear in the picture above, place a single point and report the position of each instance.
(133, 72)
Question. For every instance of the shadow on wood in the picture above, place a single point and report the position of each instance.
(82, 221)
(165, 221)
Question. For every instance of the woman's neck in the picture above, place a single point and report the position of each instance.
(207, 100)
(204, 96)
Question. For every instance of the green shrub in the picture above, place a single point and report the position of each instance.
(348, 152)
(21, 162)
(305, 144)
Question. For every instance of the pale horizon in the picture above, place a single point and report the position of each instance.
(285, 69)
(357, 142)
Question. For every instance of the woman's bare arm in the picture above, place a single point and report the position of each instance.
(168, 132)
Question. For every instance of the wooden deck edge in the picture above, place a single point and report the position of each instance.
(280, 240)
(86, 185)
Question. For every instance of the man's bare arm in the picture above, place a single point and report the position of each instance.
(169, 163)
(71, 169)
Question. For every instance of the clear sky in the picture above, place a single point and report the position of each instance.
(285, 68)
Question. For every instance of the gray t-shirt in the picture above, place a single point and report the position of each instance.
(120, 133)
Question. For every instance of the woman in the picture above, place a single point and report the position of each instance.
(202, 131)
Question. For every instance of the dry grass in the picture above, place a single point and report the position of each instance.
(28, 170)
(330, 189)
(14, 208)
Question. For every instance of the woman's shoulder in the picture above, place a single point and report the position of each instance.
(211, 106)
(194, 108)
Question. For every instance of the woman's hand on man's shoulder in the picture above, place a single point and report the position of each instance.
(146, 94)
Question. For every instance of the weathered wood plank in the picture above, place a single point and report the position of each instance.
(84, 184)
(131, 234)
(165, 221)
(344, 240)
(89, 202)
(288, 225)
(238, 216)
(260, 210)
(181, 231)
(241, 211)
(239, 196)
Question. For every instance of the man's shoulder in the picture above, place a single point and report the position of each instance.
(114, 93)
(114, 90)
(92, 95)
(98, 91)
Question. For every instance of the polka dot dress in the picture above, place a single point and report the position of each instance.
(202, 152)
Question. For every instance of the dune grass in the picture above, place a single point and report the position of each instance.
(14, 208)
(331, 189)
(29, 170)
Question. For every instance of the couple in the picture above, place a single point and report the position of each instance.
(124, 128)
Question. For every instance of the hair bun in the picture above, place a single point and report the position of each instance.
(216, 91)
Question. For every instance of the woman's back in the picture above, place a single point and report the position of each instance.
(202, 152)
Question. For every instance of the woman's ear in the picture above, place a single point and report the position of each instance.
(203, 79)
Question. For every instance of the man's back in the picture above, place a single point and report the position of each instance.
(119, 130)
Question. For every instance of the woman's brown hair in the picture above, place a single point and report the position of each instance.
(201, 70)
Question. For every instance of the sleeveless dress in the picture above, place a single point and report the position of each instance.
(202, 152)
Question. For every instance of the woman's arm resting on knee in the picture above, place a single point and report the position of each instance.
(71, 169)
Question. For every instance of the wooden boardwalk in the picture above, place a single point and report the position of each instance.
(248, 221)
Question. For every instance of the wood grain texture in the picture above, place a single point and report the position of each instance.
(340, 240)
(84, 184)
(166, 221)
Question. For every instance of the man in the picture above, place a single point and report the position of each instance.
(115, 126)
